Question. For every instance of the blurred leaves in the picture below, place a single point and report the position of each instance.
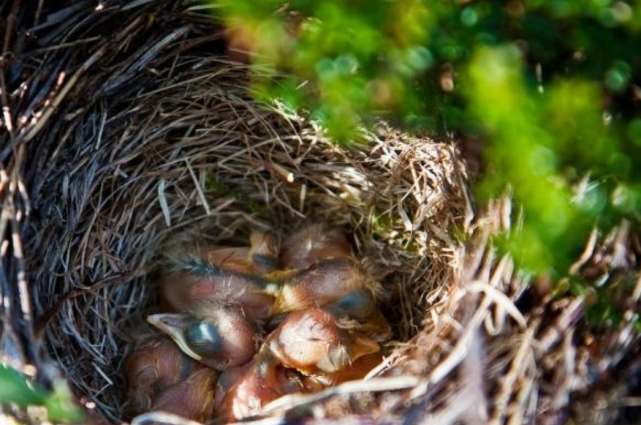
(550, 86)
(536, 149)
(16, 389)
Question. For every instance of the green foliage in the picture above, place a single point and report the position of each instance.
(16, 389)
(550, 86)
(537, 149)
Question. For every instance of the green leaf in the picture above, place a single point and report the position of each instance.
(17, 389)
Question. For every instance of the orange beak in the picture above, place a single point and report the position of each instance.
(363, 346)
(263, 254)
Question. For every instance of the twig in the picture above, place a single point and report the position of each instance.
(372, 385)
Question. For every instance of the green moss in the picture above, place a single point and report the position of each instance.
(219, 188)
(459, 234)
(382, 225)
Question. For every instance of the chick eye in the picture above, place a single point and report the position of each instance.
(203, 338)
(357, 304)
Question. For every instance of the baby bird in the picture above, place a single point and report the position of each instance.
(260, 258)
(321, 283)
(222, 273)
(154, 365)
(215, 334)
(243, 392)
(361, 307)
(311, 342)
(263, 254)
(312, 244)
(192, 398)
(357, 370)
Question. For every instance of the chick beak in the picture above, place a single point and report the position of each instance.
(263, 252)
(363, 346)
(174, 326)
(263, 243)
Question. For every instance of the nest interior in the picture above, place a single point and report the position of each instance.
(152, 133)
(131, 127)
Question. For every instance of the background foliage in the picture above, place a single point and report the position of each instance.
(16, 389)
(548, 86)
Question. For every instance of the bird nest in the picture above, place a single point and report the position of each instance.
(126, 127)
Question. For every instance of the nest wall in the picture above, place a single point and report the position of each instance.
(130, 128)
(201, 159)
(149, 133)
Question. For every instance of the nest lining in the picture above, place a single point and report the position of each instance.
(138, 131)
(184, 150)
(159, 185)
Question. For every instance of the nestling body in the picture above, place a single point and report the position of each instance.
(192, 398)
(216, 334)
(155, 364)
(311, 244)
(311, 342)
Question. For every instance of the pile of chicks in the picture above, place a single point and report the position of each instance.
(244, 326)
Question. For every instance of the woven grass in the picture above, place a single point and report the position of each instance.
(126, 127)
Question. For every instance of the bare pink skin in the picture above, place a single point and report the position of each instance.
(312, 244)
(254, 386)
(311, 342)
(153, 366)
(320, 284)
(183, 291)
(357, 370)
(261, 257)
(228, 274)
(236, 337)
(192, 398)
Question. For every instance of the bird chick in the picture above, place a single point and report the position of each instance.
(192, 398)
(215, 274)
(312, 342)
(321, 283)
(244, 391)
(154, 365)
(357, 370)
(231, 259)
(312, 244)
(216, 334)
(260, 258)
(263, 254)
(361, 306)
